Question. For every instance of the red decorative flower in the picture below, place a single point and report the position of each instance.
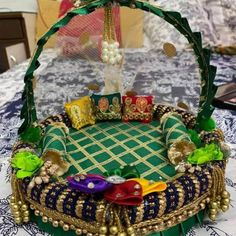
(128, 193)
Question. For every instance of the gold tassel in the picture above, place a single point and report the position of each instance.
(130, 230)
(220, 198)
(113, 229)
(114, 226)
(117, 213)
(104, 229)
(19, 208)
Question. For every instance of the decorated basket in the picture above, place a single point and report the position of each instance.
(119, 163)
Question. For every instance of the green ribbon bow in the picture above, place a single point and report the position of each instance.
(127, 172)
(26, 164)
(206, 154)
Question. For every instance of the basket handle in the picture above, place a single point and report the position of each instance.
(208, 72)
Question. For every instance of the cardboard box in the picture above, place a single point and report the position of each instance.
(131, 27)
(47, 16)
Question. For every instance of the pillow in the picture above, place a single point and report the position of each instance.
(160, 32)
(223, 17)
(80, 112)
(107, 107)
(138, 108)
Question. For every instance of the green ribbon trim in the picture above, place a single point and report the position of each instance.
(127, 172)
(173, 129)
(54, 140)
(208, 72)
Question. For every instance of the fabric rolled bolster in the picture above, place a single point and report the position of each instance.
(176, 136)
(54, 147)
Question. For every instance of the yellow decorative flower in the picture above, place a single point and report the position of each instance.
(150, 186)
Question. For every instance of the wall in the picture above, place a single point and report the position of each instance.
(18, 5)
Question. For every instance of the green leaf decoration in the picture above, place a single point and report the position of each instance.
(26, 164)
(31, 135)
(21, 174)
(127, 172)
(205, 154)
(208, 73)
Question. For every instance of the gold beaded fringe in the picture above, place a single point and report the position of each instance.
(19, 208)
(115, 220)
(220, 198)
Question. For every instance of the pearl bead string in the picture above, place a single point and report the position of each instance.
(111, 53)
(46, 172)
(110, 47)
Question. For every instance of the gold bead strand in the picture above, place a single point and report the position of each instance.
(15, 200)
(110, 47)
(24, 207)
(220, 197)
(225, 196)
(130, 229)
(213, 208)
(113, 229)
(103, 230)
(117, 212)
(111, 25)
(105, 27)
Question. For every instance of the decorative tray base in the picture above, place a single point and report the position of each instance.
(103, 148)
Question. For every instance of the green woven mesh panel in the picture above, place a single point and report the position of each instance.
(107, 145)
